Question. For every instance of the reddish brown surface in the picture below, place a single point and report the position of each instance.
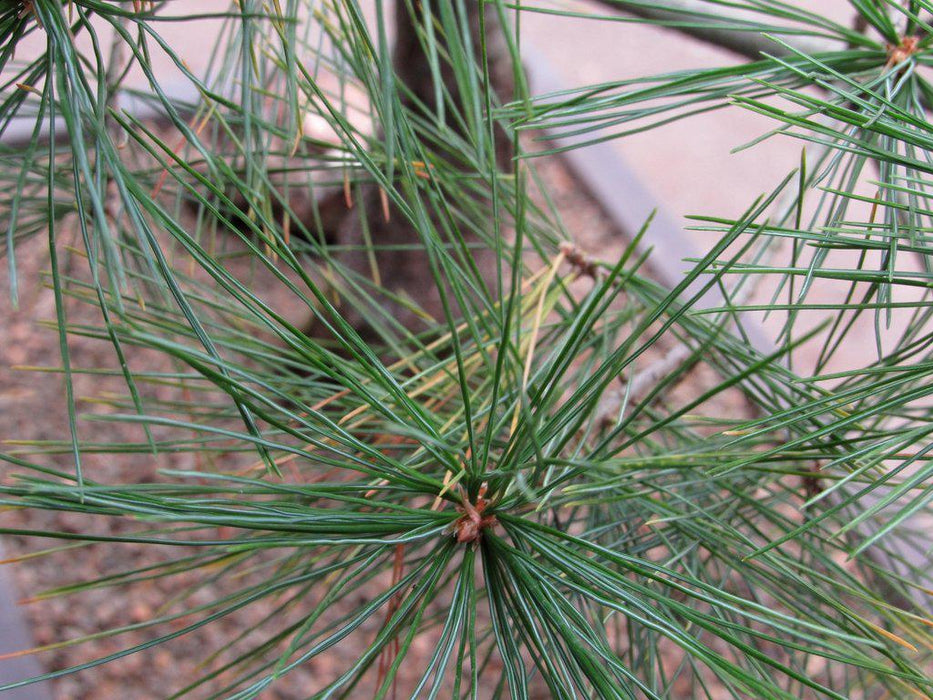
(33, 409)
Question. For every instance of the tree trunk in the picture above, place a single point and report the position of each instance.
(403, 265)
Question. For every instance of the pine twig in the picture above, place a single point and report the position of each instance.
(686, 18)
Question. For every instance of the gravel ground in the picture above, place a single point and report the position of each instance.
(31, 408)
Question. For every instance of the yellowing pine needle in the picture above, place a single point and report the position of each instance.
(536, 327)
(890, 635)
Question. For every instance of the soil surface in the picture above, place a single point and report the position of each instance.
(32, 409)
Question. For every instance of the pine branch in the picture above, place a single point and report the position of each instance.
(690, 17)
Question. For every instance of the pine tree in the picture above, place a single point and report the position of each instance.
(419, 434)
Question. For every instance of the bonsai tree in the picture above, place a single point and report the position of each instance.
(408, 428)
